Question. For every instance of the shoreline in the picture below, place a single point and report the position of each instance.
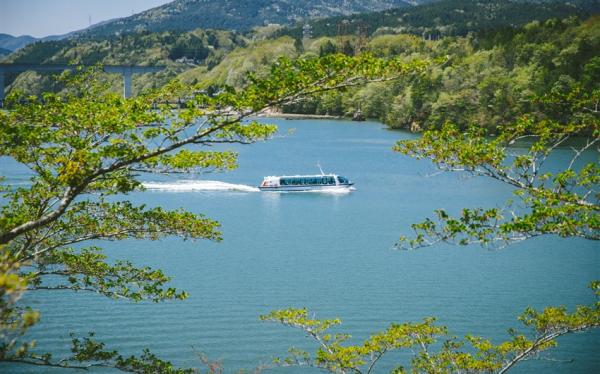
(277, 114)
(299, 116)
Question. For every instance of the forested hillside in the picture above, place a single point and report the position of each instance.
(450, 17)
(177, 51)
(491, 72)
(185, 15)
(488, 79)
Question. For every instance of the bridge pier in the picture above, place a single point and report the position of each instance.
(127, 73)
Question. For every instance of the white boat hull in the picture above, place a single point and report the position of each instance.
(306, 183)
(305, 188)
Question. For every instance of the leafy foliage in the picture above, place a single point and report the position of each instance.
(471, 355)
(86, 146)
(88, 353)
(14, 320)
(564, 202)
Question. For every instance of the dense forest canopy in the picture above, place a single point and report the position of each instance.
(449, 17)
(489, 78)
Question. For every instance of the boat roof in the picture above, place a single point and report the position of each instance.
(302, 176)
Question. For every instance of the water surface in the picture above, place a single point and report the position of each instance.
(331, 253)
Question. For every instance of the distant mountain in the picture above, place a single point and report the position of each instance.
(12, 43)
(240, 15)
(4, 52)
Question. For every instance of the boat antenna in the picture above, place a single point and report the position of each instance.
(319, 166)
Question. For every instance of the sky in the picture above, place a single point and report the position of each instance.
(41, 18)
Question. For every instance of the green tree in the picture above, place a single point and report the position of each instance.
(563, 203)
(471, 355)
(299, 45)
(86, 146)
(327, 48)
(347, 48)
(189, 46)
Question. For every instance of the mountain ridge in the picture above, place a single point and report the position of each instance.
(238, 15)
(450, 17)
(14, 43)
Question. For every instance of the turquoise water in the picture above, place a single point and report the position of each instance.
(331, 253)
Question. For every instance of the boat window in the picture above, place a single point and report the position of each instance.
(316, 180)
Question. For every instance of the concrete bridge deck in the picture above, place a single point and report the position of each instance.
(125, 70)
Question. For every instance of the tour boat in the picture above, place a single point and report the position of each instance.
(319, 182)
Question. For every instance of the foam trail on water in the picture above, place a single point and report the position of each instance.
(198, 185)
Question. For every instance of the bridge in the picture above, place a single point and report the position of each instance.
(125, 70)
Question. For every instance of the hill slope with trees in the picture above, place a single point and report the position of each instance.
(185, 15)
(177, 51)
(450, 17)
(492, 47)
(489, 78)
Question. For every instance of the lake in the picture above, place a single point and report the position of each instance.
(331, 253)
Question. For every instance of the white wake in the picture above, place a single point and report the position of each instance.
(198, 185)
